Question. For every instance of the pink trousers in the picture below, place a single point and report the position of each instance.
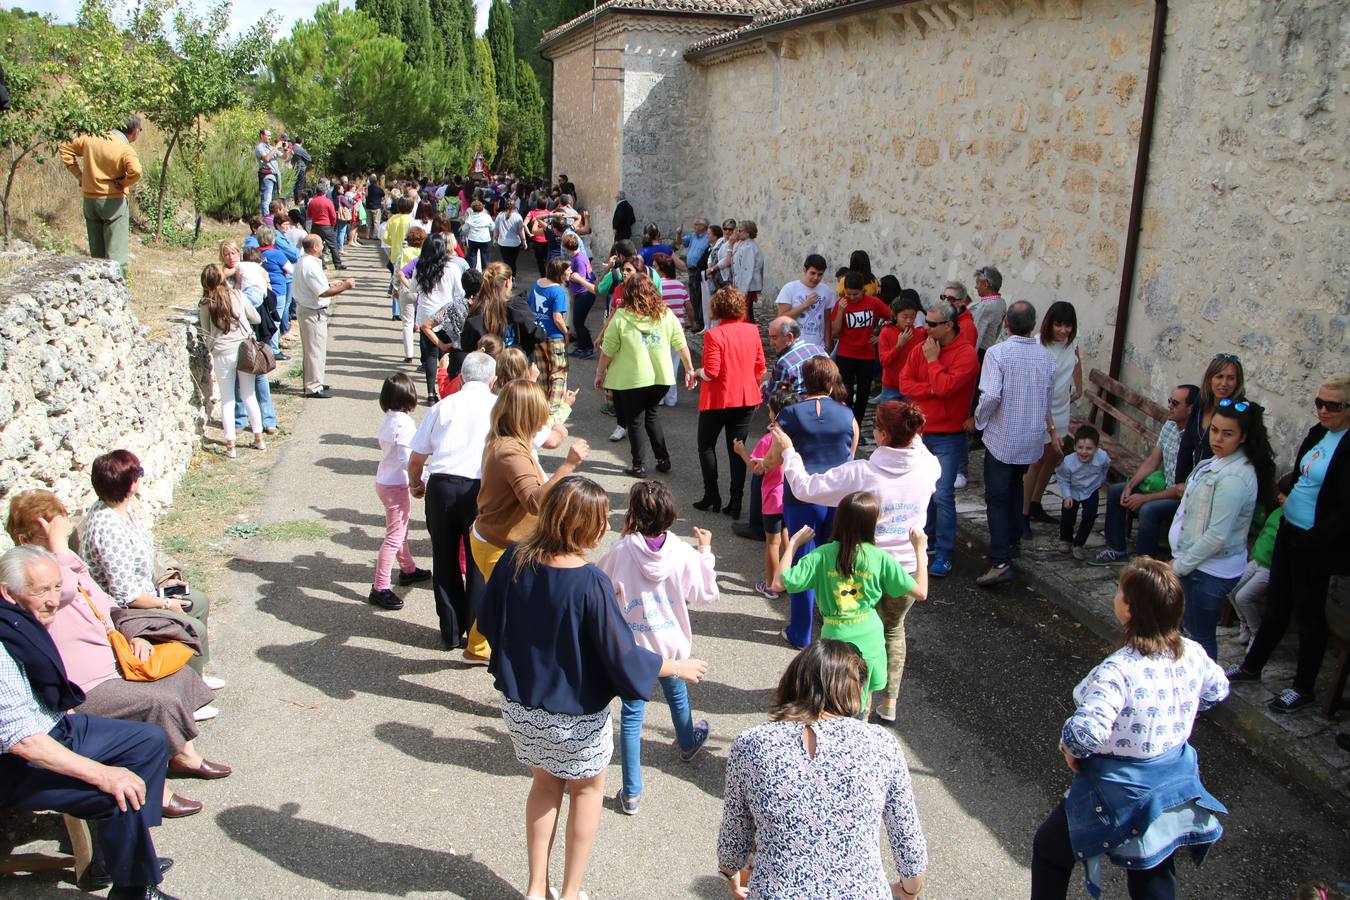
(397, 502)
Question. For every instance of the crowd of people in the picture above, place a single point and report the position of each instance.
(852, 491)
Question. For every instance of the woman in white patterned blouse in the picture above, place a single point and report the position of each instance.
(806, 792)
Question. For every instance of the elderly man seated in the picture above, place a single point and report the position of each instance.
(108, 771)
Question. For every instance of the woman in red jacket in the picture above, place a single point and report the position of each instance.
(733, 362)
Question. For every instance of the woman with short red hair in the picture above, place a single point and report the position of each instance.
(903, 475)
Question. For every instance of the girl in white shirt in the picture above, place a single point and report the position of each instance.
(398, 397)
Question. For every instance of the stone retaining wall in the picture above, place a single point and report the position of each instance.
(79, 376)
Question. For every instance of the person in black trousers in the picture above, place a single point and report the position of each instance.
(108, 771)
(1309, 549)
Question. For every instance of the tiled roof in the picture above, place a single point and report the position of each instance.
(744, 9)
(785, 13)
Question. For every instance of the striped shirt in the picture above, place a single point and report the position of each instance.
(21, 714)
(1016, 384)
(676, 295)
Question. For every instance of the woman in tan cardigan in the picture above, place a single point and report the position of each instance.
(513, 483)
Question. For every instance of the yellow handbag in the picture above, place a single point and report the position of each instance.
(165, 658)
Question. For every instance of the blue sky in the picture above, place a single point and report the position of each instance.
(245, 12)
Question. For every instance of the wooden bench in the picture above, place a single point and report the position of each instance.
(1115, 404)
(81, 850)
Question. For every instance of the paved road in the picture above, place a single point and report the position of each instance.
(368, 762)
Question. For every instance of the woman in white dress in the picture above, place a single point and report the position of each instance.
(1059, 334)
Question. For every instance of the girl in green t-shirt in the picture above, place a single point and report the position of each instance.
(850, 575)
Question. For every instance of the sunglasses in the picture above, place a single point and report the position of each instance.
(1226, 358)
(931, 324)
(1173, 402)
(1239, 406)
(1329, 405)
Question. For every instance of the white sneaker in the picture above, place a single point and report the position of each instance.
(213, 682)
(205, 714)
(960, 481)
(619, 433)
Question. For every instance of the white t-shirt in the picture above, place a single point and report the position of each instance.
(812, 320)
(396, 434)
(507, 230)
(253, 275)
(447, 290)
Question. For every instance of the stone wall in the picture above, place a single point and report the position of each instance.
(79, 377)
(1246, 239)
(1010, 139)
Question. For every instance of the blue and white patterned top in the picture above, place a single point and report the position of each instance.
(1080, 480)
(787, 370)
(22, 715)
(812, 820)
(1169, 442)
(1141, 707)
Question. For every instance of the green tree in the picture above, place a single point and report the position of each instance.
(418, 35)
(388, 14)
(446, 22)
(340, 68)
(486, 135)
(52, 98)
(206, 72)
(533, 137)
(501, 38)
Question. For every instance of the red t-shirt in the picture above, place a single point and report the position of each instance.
(858, 323)
(321, 211)
(893, 358)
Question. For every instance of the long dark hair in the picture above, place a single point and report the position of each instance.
(431, 263)
(1256, 444)
(1060, 312)
(860, 262)
(855, 524)
(826, 678)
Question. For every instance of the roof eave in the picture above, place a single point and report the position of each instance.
(754, 33)
(602, 12)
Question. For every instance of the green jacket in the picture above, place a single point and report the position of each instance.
(639, 350)
(1264, 548)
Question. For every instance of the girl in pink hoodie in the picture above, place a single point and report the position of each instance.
(656, 576)
(903, 475)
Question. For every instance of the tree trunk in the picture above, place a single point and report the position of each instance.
(14, 159)
(163, 182)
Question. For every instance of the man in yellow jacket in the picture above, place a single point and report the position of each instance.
(110, 168)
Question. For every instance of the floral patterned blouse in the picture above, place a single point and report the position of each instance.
(812, 821)
(120, 553)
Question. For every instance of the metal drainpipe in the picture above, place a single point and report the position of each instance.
(1155, 52)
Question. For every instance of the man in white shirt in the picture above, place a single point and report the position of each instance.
(448, 449)
(312, 294)
(809, 301)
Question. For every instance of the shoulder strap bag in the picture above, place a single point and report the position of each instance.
(165, 658)
(254, 357)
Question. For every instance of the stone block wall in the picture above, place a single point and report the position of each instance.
(1010, 139)
(1246, 240)
(80, 377)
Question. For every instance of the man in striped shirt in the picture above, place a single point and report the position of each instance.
(1016, 382)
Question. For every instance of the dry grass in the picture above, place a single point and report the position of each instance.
(45, 209)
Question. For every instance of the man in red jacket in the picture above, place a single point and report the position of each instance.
(323, 221)
(941, 379)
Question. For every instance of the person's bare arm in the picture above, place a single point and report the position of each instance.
(416, 463)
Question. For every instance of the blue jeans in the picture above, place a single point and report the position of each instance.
(267, 186)
(1003, 506)
(284, 314)
(797, 513)
(1205, 597)
(342, 229)
(950, 450)
(265, 405)
(889, 394)
(1155, 517)
(630, 731)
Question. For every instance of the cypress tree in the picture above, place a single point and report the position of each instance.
(388, 14)
(418, 36)
(501, 39)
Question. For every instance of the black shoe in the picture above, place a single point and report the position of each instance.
(322, 394)
(638, 471)
(96, 877)
(139, 892)
(709, 504)
(1343, 741)
(1237, 674)
(743, 530)
(340, 268)
(1027, 534)
(394, 318)
(281, 357)
(416, 575)
(734, 512)
(663, 465)
(1038, 514)
(385, 599)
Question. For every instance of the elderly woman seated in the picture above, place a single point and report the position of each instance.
(117, 545)
(79, 626)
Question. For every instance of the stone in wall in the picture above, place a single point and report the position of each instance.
(79, 377)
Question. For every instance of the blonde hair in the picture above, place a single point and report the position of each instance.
(1339, 381)
(491, 301)
(520, 411)
(572, 518)
(512, 364)
(216, 296)
(228, 245)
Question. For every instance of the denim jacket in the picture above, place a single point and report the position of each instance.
(1137, 812)
(1217, 511)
